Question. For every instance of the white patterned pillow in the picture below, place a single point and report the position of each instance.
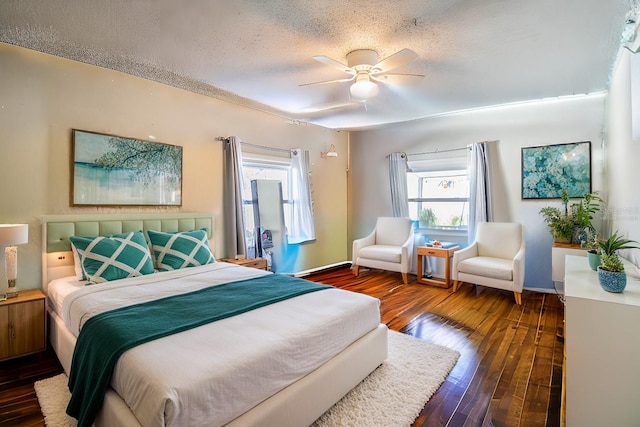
(173, 251)
(77, 264)
(118, 256)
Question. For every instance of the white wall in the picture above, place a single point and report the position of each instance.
(512, 127)
(622, 153)
(43, 97)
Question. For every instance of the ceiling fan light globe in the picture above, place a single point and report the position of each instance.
(364, 89)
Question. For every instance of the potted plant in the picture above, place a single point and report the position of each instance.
(593, 249)
(560, 223)
(572, 223)
(582, 213)
(611, 273)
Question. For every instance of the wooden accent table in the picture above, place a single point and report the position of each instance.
(447, 253)
(23, 324)
(259, 263)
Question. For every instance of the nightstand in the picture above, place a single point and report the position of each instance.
(438, 252)
(23, 324)
(259, 263)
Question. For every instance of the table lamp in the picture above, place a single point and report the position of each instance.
(11, 235)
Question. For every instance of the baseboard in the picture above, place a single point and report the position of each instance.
(542, 290)
(321, 268)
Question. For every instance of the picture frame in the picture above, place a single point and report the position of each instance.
(547, 170)
(111, 170)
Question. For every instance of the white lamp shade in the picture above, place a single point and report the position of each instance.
(364, 88)
(14, 234)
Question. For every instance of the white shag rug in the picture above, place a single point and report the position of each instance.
(392, 395)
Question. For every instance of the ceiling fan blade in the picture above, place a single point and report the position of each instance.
(333, 63)
(394, 61)
(328, 81)
(397, 78)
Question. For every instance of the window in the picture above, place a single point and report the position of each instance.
(261, 168)
(439, 195)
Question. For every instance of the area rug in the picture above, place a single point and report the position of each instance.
(392, 395)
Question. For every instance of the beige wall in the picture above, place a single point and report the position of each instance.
(43, 97)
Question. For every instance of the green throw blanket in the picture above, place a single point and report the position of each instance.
(106, 336)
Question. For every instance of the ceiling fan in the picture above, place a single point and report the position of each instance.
(366, 71)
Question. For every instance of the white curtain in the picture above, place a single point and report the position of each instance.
(480, 209)
(235, 243)
(398, 183)
(302, 228)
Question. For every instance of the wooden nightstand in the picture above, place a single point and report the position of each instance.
(23, 324)
(259, 263)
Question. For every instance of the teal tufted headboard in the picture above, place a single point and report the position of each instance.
(57, 260)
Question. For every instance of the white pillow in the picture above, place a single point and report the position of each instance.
(77, 265)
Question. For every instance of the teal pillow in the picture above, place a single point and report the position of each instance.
(118, 256)
(173, 251)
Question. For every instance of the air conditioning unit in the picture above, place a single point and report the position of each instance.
(630, 35)
(633, 46)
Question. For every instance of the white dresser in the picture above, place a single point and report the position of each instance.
(602, 350)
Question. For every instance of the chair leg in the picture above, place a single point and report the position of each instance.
(518, 296)
(405, 279)
(356, 269)
(456, 285)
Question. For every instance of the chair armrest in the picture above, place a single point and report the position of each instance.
(460, 255)
(361, 243)
(518, 268)
(406, 254)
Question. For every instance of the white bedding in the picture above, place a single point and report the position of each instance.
(214, 373)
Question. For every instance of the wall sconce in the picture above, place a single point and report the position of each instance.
(331, 153)
(11, 235)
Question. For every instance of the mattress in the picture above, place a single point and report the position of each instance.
(211, 374)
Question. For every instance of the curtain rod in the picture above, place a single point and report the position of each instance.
(264, 147)
(468, 147)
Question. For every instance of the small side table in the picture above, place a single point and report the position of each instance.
(447, 253)
(259, 263)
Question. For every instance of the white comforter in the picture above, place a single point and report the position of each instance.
(209, 375)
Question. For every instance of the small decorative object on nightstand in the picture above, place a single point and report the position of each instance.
(11, 235)
(259, 263)
(23, 324)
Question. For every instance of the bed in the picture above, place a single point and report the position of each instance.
(236, 371)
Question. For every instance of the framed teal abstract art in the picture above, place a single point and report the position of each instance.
(549, 169)
(110, 170)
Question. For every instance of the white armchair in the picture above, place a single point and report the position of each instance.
(388, 247)
(495, 259)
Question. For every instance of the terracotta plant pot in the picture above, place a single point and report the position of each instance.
(561, 240)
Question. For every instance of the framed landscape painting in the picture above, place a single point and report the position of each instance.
(109, 170)
(549, 169)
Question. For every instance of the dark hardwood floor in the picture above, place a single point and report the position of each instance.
(510, 369)
(18, 401)
(509, 372)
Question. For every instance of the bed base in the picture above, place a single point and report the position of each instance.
(299, 404)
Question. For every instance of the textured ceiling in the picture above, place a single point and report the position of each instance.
(473, 53)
